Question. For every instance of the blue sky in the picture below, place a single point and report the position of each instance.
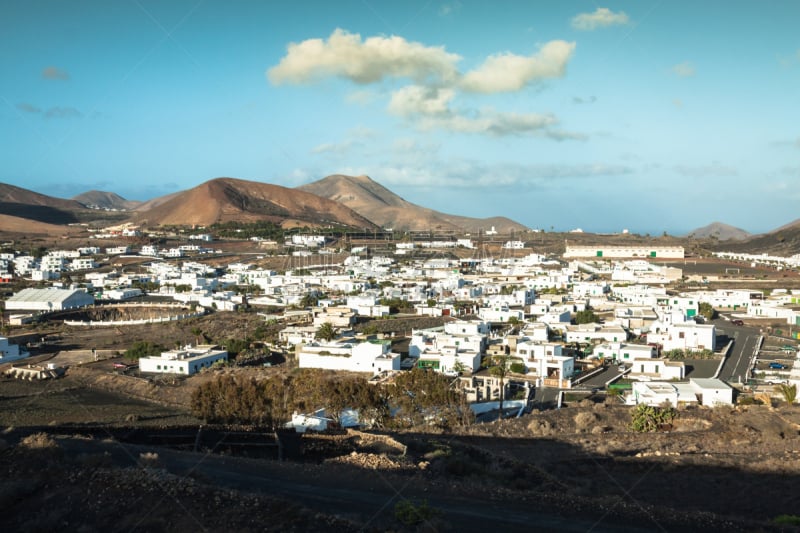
(647, 115)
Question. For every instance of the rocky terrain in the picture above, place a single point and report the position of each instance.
(69, 447)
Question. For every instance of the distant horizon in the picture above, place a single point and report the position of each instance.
(641, 114)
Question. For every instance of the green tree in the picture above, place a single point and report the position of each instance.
(325, 332)
(142, 349)
(586, 316)
(309, 300)
(707, 311)
(423, 396)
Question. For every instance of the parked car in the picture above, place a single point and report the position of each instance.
(777, 366)
(737, 322)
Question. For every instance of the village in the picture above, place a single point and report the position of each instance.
(513, 331)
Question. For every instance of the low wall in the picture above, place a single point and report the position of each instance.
(131, 322)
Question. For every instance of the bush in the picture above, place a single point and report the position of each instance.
(585, 420)
(518, 368)
(410, 514)
(648, 418)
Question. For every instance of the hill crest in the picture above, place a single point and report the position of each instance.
(385, 208)
(233, 199)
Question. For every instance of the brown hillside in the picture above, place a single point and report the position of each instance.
(784, 241)
(229, 199)
(22, 203)
(11, 225)
(107, 200)
(18, 195)
(380, 205)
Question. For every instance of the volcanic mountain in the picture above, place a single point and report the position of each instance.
(230, 199)
(105, 200)
(383, 207)
(719, 231)
(784, 241)
(22, 203)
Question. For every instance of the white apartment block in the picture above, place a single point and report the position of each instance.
(615, 252)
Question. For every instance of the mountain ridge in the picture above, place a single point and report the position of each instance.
(375, 202)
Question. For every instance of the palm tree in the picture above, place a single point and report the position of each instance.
(789, 392)
(326, 332)
(500, 368)
(196, 332)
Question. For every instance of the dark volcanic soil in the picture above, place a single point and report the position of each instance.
(578, 468)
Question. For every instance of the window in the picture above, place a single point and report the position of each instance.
(681, 335)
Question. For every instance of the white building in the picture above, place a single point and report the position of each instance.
(651, 252)
(712, 392)
(622, 352)
(687, 336)
(594, 332)
(656, 369)
(187, 361)
(49, 299)
(369, 356)
(10, 352)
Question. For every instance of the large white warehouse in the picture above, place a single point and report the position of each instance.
(49, 299)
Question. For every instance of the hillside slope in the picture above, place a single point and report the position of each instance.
(231, 199)
(385, 208)
(105, 200)
(720, 231)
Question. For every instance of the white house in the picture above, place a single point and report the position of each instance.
(656, 369)
(187, 361)
(687, 336)
(712, 391)
(499, 313)
(369, 356)
(594, 332)
(623, 352)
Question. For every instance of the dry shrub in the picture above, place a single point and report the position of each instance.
(541, 428)
(39, 441)
(585, 420)
(149, 459)
(599, 429)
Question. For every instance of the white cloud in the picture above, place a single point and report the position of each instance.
(684, 70)
(449, 8)
(601, 18)
(475, 174)
(713, 170)
(362, 97)
(346, 55)
(337, 148)
(429, 109)
(510, 72)
(416, 99)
